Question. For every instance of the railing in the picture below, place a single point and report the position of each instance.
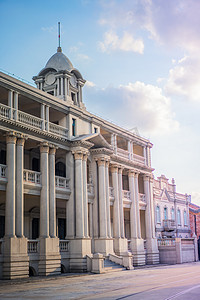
(5, 111)
(139, 159)
(33, 246)
(3, 171)
(64, 246)
(169, 224)
(32, 176)
(29, 120)
(57, 129)
(123, 153)
(90, 188)
(111, 191)
(61, 182)
(166, 242)
(126, 194)
(142, 197)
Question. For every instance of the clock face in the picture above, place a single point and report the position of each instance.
(73, 81)
(50, 79)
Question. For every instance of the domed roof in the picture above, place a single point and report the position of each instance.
(59, 62)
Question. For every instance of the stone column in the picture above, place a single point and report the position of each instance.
(47, 118)
(15, 258)
(116, 216)
(10, 189)
(42, 115)
(107, 199)
(85, 195)
(102, 199)
(52, 193)
(137, 205)
(137, 243)
(121, 209)
(16, 105)
(20, 188)
(152, 247)
(120, 245)
(145, 155)
(133, 214)
(44, 195)
(10, 103)
(80, 230)
(152, 208)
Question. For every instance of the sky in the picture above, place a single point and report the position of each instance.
(141, 62)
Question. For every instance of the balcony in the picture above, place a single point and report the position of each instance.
(169, 225)
(126, 195)
(33, 246)
(32, 177)
(130, 156)
(61, 182)
(32, 122)
(142, 198)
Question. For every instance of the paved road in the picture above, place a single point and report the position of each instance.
(180, 282)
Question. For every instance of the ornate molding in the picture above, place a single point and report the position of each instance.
(11, 137)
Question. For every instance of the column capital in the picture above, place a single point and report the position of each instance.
(133, 173)
(114, 168)
(107, 163)
(120, 170)
(85, 156)
(44, 147)
(11, 137)
(146, 177)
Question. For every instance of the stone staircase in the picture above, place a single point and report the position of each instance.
(110, 266)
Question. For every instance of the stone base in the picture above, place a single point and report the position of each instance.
(79, 248)
(50, 259)
(152, 251)
(104, 246)
(15, 259)
(120, 246)
(137, 249)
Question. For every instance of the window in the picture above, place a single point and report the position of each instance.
(165, 213)
(60, 169)
(73, 127)
(158, 214)
(73, 97)
(179, 217)
(36, 164)
(185, 218)
(95, 129)
(173, 216)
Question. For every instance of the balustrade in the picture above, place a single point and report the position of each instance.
(32, 176)
(166, 242)
(3, 171)
(126, 194)
(61, 182)
(142, 197)
(64, 246)
(35, 122)
(134, 157)
(33, 246)
(111, 191)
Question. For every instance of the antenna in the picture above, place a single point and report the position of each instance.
(59, 48)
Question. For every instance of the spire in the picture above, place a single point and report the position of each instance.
(59, 49)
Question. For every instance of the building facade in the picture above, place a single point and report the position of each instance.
(171, 210)
(194, 211)
(71, 183)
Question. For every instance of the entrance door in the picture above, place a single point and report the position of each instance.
(61, 228)
(35, 228)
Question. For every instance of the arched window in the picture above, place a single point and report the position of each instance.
(185, 218)
(158, 214)
(179, 217)
(173, 216)
(60, 169)
(165, 213)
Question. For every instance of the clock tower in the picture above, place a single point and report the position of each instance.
(59, 78)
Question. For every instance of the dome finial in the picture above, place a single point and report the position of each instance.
(59, 49)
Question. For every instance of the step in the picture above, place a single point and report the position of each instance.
(110, 266)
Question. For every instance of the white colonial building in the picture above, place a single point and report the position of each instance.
(71, 184)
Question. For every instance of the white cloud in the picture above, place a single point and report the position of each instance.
(113, 42)
(135, 104)
(184, 78)
(90, 84)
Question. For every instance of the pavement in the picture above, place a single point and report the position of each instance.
(163, 282)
